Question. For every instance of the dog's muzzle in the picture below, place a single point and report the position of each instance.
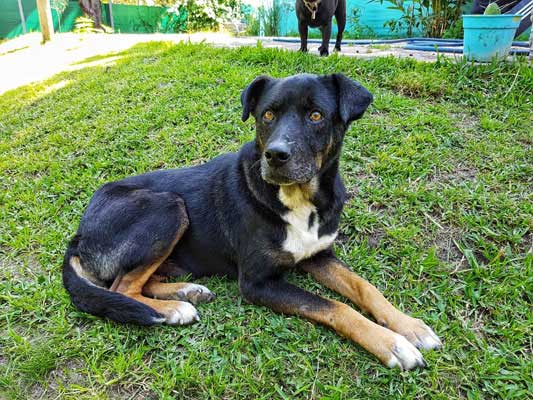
(281, 166)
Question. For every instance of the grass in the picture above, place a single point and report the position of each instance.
(440, 217)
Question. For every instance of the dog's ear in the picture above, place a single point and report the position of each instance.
(353, 98)
(251, 94)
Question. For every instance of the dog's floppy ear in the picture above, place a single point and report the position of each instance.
(353, 98)
(250, 95)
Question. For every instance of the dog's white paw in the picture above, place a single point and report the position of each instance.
(426, 338)
(417, 332)
(405, 355)
(195, 293)
(183, 314)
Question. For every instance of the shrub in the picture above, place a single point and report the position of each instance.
(431, 17)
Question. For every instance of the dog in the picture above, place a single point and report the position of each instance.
(318, 14)
(251, 215)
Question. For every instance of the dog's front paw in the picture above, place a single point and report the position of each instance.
(195, 294)
(303, 49)
(392, 349)
(324, 52)
(416, 332)
(404, 355)
(183, 314)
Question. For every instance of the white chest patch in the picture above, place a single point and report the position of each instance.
(302, 239)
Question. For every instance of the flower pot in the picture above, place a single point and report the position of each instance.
(489, 36)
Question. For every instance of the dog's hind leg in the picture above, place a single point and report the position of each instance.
(132, 284)
(125, 235)
(340, 16)
(184, 291)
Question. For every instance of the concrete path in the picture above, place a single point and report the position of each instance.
(24, 60)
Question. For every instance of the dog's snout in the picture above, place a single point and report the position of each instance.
(277, 153)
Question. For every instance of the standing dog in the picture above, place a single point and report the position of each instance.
(250, 215)
(318, 14)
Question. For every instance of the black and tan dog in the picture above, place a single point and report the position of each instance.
(250, 215)
(319, 14)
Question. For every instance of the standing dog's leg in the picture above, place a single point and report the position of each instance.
(302, 29)
(392, 349)
(332, 273)
(340, 17)
(326, 36)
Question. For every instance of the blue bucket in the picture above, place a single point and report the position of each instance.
(489, 36)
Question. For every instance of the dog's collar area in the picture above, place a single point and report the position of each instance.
(312, 7)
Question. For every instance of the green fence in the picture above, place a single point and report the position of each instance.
(11, 24)
(126, 18)
(145, 19)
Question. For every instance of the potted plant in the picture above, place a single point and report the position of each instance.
(489, 35)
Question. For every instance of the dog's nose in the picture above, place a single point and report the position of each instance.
(277, 153)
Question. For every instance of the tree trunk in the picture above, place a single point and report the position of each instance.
(93, 9)
(45, 19)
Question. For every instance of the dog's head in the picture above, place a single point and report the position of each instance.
(301, 121)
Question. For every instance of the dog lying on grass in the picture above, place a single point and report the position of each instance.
(250, 215)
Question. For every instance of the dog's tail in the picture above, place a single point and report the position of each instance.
(99, 301)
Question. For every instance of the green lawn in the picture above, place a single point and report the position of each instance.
(439, 218)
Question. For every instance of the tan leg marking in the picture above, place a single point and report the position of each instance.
(132, 283)
(391, 348)
(184, 291)
(75, 262)
(337, 277)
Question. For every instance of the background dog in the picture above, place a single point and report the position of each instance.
(318, 14)
(250, 215)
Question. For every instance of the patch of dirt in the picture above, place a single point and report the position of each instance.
(36, 391)
(461, 173)
(465, 121)
(63, 375)
(526, 245)
(131, 392)
(351, 192)
(447, 250)
(18, 267)
(375, 238)
(476, 320)
(352, 180)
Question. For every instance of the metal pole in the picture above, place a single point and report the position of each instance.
(110, 8)
(22, 18)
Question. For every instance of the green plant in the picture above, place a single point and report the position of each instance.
(357, 30)
(455, 31)
(59, 6)
(209, 14)
(492, 9)
(175, 19)
(431, 17)
(270, 18)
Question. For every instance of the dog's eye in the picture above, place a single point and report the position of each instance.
(315, 116)
(268, 116)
